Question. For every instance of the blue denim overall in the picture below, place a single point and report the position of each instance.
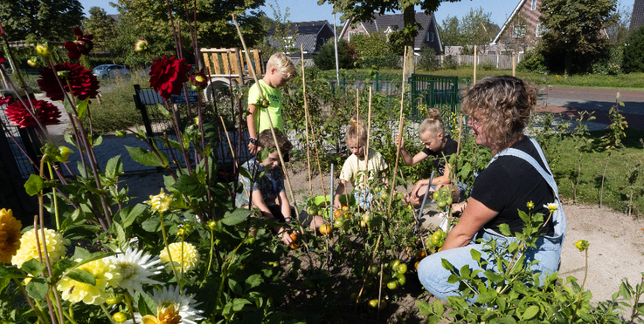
(434, 277)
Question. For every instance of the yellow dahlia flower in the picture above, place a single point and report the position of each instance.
(160, 202)
(29, 249)
(9, 235)
(190, 257)
(105, 271)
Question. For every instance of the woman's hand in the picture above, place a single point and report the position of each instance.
(284, 235)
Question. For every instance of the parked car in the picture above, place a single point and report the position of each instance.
(111, 71)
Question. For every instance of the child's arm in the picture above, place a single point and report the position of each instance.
(339, 191)
(250, 122)
(285, 206)
(409, 160)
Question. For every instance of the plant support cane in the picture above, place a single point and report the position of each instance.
(422, 205)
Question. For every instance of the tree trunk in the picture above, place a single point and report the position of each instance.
(409, 18)
(568, 62)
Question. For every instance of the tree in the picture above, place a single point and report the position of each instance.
(150, 20)
(36, 20)
(575, 27)
(325, 59)
(633, 54)
(364, 10)
(102, 26)
(284, 32)
(477, 28)
(450, 32)
(375, 44)
(618, 32)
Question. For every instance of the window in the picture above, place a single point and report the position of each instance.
(351, 34)
(360, 33)
(491, 52)
(518, 31)
(541, 30)
(534, 5)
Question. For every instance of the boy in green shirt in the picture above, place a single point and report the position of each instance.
(279, 70)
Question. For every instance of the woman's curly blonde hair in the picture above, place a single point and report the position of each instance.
(502, 105)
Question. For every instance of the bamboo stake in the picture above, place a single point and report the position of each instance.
(366, 159)
(306, 123)
(232, 151)
(514, 65)
(474, 64)
(400, 127)
(270, 123)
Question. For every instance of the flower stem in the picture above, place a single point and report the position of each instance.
(212, 244)
(128, 302)
(107, 313)
(53, 192)
(165, 241)
(37, 311)
(69, 316)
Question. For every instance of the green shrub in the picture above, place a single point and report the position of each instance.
(325, 60)
(611, 63)
(633, 54)
(428, 59)
(487, 66)
(449, 63)
(381, 62)
(534, 61)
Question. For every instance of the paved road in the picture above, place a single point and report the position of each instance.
(569, 101)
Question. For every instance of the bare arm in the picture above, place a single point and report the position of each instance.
(475, 215)
(409, 160)
(339, 191)
(250, 122)
(258, 201)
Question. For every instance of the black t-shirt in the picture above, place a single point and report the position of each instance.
(439, 162)
(508, 184)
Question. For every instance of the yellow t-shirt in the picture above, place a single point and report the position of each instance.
(352, 166)
(274, 96)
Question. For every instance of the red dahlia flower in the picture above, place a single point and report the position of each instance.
(46, 112)
(83, 83)
(167, 76)
(199, 79)
(82, 45)
(4, 100)
(1, 57)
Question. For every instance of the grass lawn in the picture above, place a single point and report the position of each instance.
(616, 186)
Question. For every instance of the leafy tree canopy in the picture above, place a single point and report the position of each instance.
(575, 27)
(375, 44)
(150, 20)
(633, 54)
(102, 26)
(37, 20)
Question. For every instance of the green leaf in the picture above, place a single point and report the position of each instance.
(97, 141)
(235, 287)
(447, 265)
(85, 256)
(238, 304)
(82, 276)
(503, 320)
(68, 106)
(253, 281)
(37, 288)
(529, 313)
(114, 167)
(81, 107)
(120, 234)
(505, 229)
(145, 157)
(152, 225)
(237, 216)
(164, 111)
(34, 184)
(33, 267)
(190, 186)
(476, 255)
(146, 305)
(424, 308)
(6, 273)
(4, 282)
(136, 211)
(438, 307)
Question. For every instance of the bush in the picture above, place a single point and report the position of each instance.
(325, 60)
(610, 63)
(534, 61)
(449, 63)
(633, 54)
(382, 62)
(487, 66)
(428, 59)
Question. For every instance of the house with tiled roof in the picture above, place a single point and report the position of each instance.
(311, 34)
(522, 29)
(637, 17)
(428, 36)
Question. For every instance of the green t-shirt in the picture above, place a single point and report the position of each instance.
(274, 96)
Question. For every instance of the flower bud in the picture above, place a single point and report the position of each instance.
(530, 205)
(188, 228)
(62, 74)
(212, 225)
(43, 49)
(119, 133)
(64, 153)
(582, 245)
(33, 62)
(182, 232)
(141, 46)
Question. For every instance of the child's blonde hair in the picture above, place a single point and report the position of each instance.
(283, 64)
(432, 123)
(357, 131)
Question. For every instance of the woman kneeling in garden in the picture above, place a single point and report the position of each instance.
(517, 178)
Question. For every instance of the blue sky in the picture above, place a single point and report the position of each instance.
(308, 10)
